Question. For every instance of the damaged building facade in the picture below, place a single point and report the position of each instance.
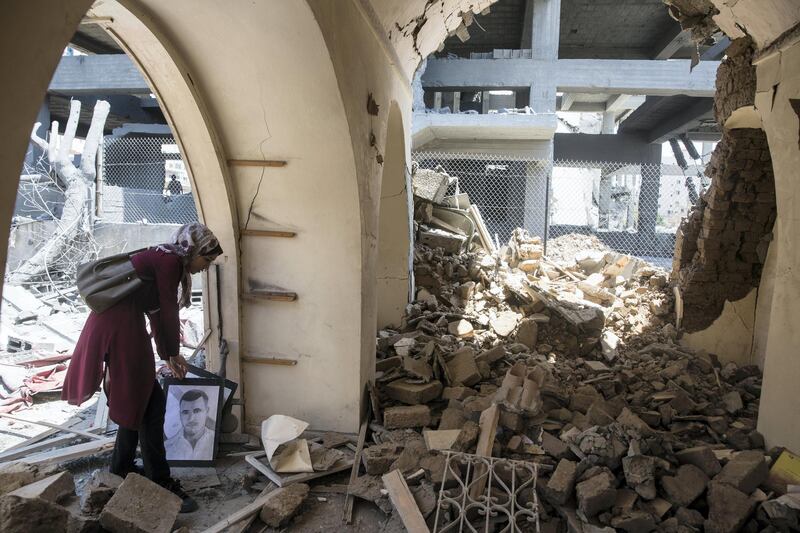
(340, 194)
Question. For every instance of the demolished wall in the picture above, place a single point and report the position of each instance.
(722, 245)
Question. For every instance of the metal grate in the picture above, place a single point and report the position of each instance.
(135, 182)
(631, 208)
(487, 494)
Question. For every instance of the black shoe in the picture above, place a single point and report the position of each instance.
(188, 505)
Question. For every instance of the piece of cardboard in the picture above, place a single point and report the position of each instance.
(785, 471)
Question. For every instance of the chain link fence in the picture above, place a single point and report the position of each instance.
(630, 208)
(143, 179)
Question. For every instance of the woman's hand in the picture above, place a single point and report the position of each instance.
(178, 366)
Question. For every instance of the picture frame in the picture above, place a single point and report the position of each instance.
(192, 420)
(230, 386)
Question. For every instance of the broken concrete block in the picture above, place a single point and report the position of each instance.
(745, 471)
(492, 354)
(631, 422)
(442, 439)
(460, 328)
(559, 487)
(282, 504)
(733, 402)
(451, 243)
(452, 418)
(467, 438)
(596, 494)
(728, 508)
(505, 322)
(690, 517)
(457, 393)
(702, 457)
(369, 488)
(52, 488)
(554, 446)
(417, 368)
(640, 475)
(94, 499)
(425, 496)
(430, 184)
(140, 506)
(528, 333)
(434, 465)
(408, 392)
(608, 344)
(16, 475)
(596, 366)
(407, 417)
(686, 486)
(379, 458)
(461, 368)
(31, 515)
(408, 461)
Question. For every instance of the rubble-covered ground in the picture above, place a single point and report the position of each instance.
(631, 431)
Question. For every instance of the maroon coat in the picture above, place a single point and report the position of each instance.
(118, 336)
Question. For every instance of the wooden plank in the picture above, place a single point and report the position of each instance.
(268, 361)
(17, 453)
(41, 436)
(256, 163)
(275, 296)
(404, 502)
(101, 412)
(80, 432)
(347, 516)
(241, 514)
(268, 233)
(244, 524)
(71, 452)
(488, 426)
(253, 460)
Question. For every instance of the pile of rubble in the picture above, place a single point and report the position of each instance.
(574, 368)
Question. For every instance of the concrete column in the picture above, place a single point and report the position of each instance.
(609, 123)
(546, 25)
(536, 191)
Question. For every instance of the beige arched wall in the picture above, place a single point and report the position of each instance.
(271, 94)
(394, 233)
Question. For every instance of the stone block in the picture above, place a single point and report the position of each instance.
(634, 522)
(460, 328)
(559, 487)
(31, 515)
(451, 243)
(554, 446)
(702, 457)
(640, 475)
(52, 488)
(461, 369)
(492, 354)
(728, 508)
(407, 417)
(596, 494)
(378, 459)
(282, 504)
(140, 506)
(745, 471)
(468, 438)
(412, 393)
(452, 418)
(16, 475)
(686, 486)
(528, 333)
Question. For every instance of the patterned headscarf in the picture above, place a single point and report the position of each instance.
(190, 241)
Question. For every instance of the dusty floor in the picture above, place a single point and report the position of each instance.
(47, 407)
(322, 511)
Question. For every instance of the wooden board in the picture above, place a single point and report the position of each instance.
(246, 511)
(42, 423)
(244, 524)
(283, 480)
(268, 360)
(71, 452)
(256, 163)
(275, 296)
(404, 503)
(347, 515)
(268, 233)
(488, 426)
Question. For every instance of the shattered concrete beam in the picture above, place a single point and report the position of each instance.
(672, 41)
(641, 77)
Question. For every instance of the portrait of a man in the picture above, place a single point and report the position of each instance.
(190, 421)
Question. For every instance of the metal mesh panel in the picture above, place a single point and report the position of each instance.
(628, 208)
(143, 179)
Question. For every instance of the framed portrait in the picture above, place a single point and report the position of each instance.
(192, 420)
(230, 386)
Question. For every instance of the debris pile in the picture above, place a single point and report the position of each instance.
(573, 367)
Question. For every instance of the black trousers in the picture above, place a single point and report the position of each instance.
(150, 436)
